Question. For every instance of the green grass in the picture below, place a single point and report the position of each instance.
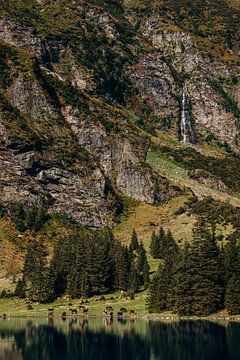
(179, 176)
(18, 308)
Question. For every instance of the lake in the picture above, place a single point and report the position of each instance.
(98, 339)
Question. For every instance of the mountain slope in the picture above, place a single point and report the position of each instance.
(87, 87)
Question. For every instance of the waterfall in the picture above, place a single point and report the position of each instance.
(186, 129)
(183, 126)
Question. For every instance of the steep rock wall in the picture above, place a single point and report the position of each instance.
(177, 62)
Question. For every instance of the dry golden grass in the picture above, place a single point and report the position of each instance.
(146, 218)
(235, 3)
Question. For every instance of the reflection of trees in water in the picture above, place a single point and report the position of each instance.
(187, 340)
(8, 348)
(102, 345)
(48, 343)
(198, 340)
(10, 354)
(233, 340)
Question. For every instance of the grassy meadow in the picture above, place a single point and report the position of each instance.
(14, 307)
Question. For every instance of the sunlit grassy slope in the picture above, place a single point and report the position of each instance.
(179, 176)
(18, 307)
(145, 218)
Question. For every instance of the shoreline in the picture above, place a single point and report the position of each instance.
(149, 317)
(159, 317)
(17, 308)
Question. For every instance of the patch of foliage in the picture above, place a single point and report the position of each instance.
(198, 279)
(87, 263)
(227, 169)
(23, 137)
(214, 212)
(30, 217)
(214, 25)
(227, 101)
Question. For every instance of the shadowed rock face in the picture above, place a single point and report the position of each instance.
(82, 194)
(121, 160)
(99, 163)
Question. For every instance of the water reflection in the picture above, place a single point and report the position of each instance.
(117, 339)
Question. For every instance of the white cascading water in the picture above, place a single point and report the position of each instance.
(183, 125)
(187, 133)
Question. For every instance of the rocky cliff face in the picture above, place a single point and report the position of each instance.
(79, 160)
(81, 84)
(176, 64)
(121, 158)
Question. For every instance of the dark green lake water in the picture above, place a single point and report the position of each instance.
(22, 339)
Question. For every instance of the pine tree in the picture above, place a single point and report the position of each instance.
(170, 246)
(73, 286)
(49, 295)
(208, 288)
(133, 279)
(181, 295)
(20, 290)
(99, 264)
(231, 255)
(198, 280)
(155, 246)
(134, 276)
(122, 267)
(159, 298)
(154, 290)
(86, 265)
(111, 242)
(78, 284)
(230, 258)
(142, 266)
(134, 241)
(105, 275)
(61, 262)
(161, 243)
(158, 292)
(232, 297)
(35, 270)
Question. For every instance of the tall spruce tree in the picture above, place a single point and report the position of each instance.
(122, 267)
(158, 291)
(231, 257)
(180, 296)
(161, 243)
(61, 262)
(199, 290)
(155, 246)
(232, 297)
(158, 298)
(86, 265)
(142, 266)
(171, 248)
(21, 287)
(105, 274)
(134, 241)
(209, 290)
(35, 270)
(133, 278)
(76, 269)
